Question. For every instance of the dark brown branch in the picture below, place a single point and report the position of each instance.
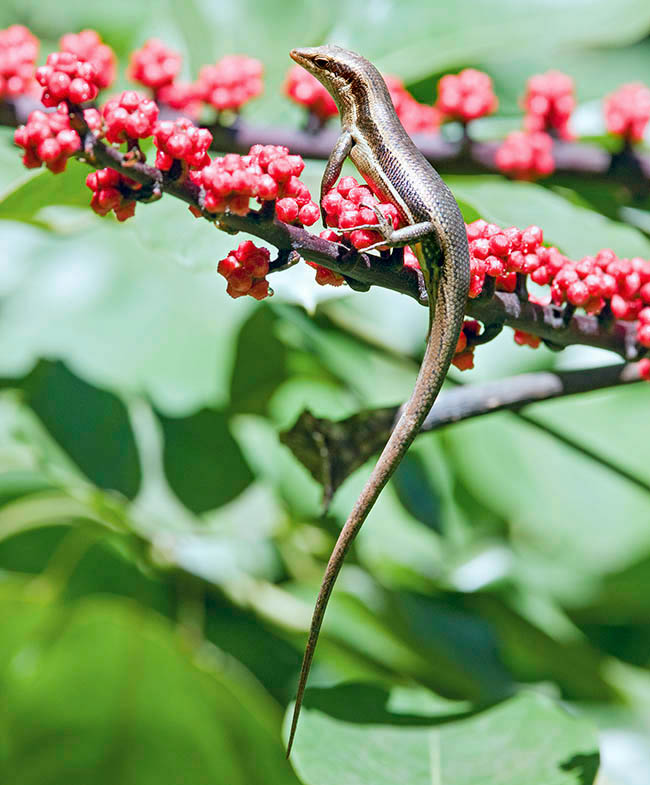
(466, 401)
(502, 308)
(331, 451)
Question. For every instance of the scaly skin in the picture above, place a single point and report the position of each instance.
(382, 151)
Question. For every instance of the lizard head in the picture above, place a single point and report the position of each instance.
(345, 75)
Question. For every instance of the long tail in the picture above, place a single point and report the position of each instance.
(447, 307)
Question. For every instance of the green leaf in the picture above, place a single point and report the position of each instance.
(32, 193)
(203, 463)
(136, 700)
(559, 504)
(261, 363)
(528, 740)
(429, 38)
(91, 425)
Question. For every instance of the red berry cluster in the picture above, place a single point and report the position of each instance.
(526, 156)
(181, 96)
(466, 96)
(234, 80)
(67, 78)
(87, 45)
(245, 270)
(18, 53)
(416, 118)
(155, 65)
(349, 204)
(549, 101)
(112, 191)
(268, 173)
(131, 116)
(627, 111)
(593, 280)
(47, 139)
(590, 283)
(464, 356)
(181, 140)
(501, 254)
(305, 89)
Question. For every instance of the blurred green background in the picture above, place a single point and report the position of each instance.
(160, 550)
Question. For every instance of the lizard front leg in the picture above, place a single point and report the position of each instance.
(340, 152)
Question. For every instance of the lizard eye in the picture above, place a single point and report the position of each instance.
(321, 62)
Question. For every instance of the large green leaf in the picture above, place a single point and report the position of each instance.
(91, 425)
(203, 463)
(106, 689)
(33, 192)
(560, 505)
(528, 740)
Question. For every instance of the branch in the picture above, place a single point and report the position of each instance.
(498, 308)
(465, 156)
(331, 451)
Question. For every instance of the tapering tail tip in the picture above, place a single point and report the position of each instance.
(294, 725)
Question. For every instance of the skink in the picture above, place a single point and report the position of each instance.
(386, 157)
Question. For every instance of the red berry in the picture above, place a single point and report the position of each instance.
(499, 244)
(286, 210)
(362, 238)
(309, 214)
(227, 266)
(464, 361)
(526, 339)
(280, 169)
(619, 306)
(643, 335)
(644, 369)
(577, 293)
(345, 184)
